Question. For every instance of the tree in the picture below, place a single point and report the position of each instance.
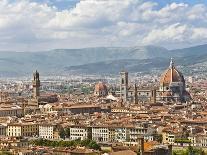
(5, 153)
(67, 132)
(94, 145)
(62, 133)
(189, 151)
(158, 137)
(182, 141)
(86, 89)
(85, 142)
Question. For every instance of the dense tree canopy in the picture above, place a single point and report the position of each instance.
(87, 143)
(189, 151)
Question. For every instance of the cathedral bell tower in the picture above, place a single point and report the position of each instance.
(124, 86)
(36, 85)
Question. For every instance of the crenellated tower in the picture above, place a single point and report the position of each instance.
(36, 85)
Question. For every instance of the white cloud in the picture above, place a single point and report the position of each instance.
(172, 33)
(26, 25)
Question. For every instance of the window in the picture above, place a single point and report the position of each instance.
(122, 81)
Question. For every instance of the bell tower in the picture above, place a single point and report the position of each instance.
(124, 85)
(36, 85)
(135, 94)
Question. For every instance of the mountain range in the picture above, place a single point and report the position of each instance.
(101, 60)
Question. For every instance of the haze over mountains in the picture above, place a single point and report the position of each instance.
(101, 60)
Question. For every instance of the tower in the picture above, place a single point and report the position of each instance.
(135, 94)
(36, 85)
(140, 146)
(153, 96)
(124, 86)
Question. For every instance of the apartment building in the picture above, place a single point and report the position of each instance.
(100, 133)
(28, 129)
(79, 132)
(47, 130)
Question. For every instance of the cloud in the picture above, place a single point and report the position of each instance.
(29, 25)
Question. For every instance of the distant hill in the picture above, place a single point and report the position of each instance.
(191, 51)
(114, 66)
(99, 60)
(133, 65)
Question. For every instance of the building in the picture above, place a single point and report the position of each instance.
(14, 130)
(27, 129)
(30, 129)
(36, 85)
(4, 96)
(47, 108)
(135, 132)
(34, 102)
(143, 95)
(121, 134)
(172, 85)
(47, 130)
(100, 134)
(11, 110)
(170, 136)
(100, 89)
(13, 142)
(124, 86)
(3, 130)
(79, 132)
(82, 108)
(47, 98)
(171, 88)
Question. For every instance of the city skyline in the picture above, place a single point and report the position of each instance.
(103, 77)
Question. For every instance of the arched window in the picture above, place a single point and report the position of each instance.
(122, 81)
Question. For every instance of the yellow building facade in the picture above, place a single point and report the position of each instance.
(23, 129)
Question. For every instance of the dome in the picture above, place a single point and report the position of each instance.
(171, 75)
(100, 87)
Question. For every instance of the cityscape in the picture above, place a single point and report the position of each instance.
(103, 77)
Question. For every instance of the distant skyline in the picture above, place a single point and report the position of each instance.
(35, 25)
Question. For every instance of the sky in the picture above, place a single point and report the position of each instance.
(38, 25)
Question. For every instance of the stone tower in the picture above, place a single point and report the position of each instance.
(135, 94)
(153, 96)
(36, 85)
(124, 86)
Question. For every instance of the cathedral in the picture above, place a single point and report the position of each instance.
(172, 88)
(100, 90)
(172, 85)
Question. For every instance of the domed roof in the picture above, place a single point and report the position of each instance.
(171, 75)
(100, 87)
